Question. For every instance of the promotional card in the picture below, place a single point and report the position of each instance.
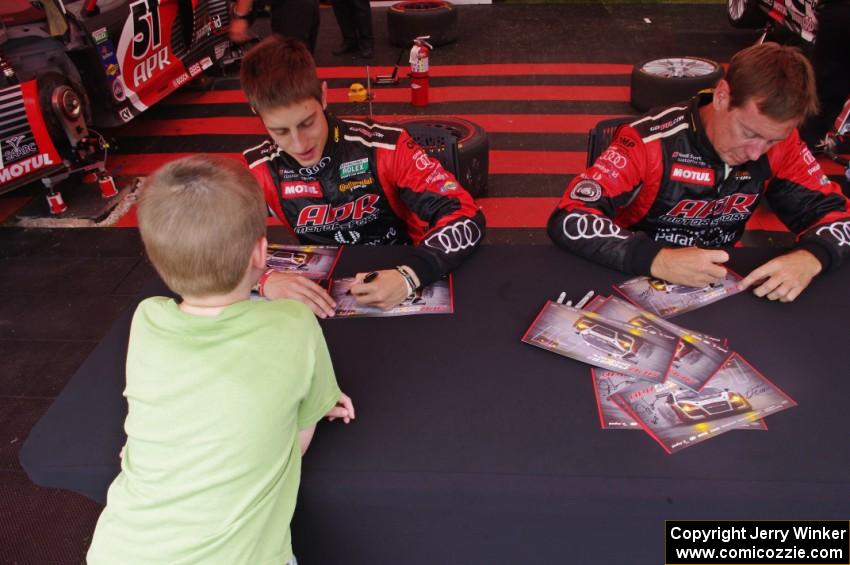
(698, 356)
(667, 299)
(678, 417)
(594, 339)
(436, 298)
(612, 417)
(314, 262)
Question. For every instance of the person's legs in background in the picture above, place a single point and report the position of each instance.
(355, 22)
(363, 17)
(298, 19)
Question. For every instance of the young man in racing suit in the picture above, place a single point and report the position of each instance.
(677, 183)
(350, 182)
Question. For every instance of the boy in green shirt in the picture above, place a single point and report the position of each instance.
(223, 392)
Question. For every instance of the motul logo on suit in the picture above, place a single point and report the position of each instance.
(692, 175)
(301, 189)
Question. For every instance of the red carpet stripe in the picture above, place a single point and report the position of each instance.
(142, 164)
(501, 162)
(517, 212)
(436, 94)
(535, 162)
(130, 220)
(249, 125)
(359, 72)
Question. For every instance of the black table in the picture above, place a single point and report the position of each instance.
(472, 447)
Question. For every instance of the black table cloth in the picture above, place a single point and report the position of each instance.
(472, 447)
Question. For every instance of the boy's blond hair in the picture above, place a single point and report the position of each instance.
(200, 218)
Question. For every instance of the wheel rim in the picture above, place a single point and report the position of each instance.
(678, 67)
(736, 8)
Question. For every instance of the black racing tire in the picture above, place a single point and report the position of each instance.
(746, 14)
(412, 18)
(473, 149)
(667, 80)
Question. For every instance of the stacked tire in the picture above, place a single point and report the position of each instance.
(413, 18)
(665, 81)
(473, 149)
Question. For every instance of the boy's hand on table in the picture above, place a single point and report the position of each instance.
(385, 290)
(302, 289)
(344, 409)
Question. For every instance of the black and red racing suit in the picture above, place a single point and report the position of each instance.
(661, 184)
(373, 185)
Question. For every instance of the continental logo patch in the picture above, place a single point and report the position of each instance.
(352, 168)
(355, 184)
(301, 189)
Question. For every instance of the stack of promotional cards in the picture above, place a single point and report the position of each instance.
(435, 298)
(680, 386)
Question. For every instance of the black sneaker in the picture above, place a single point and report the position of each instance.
(344, 48)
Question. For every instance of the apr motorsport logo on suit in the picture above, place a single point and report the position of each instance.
(324, 217)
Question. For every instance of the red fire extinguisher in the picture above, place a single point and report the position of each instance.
(419, 70)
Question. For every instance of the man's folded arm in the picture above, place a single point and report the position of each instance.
(444, 222)
(583, 222)
(809, 204)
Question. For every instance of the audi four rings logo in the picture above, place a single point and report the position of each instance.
(614, 158)
(455, 237)
(839, 230)
(423, 163)
(310, 171)
(588, 226)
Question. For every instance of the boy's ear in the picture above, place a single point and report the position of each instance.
(259, 253)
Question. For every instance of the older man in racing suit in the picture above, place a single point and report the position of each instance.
(350, 182)
(677, 184)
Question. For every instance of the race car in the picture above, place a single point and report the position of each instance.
(690, 406)
(664, 286)
(643, 323)
(287, 259)
(609, 340)
(66, 66)
(798, 16)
